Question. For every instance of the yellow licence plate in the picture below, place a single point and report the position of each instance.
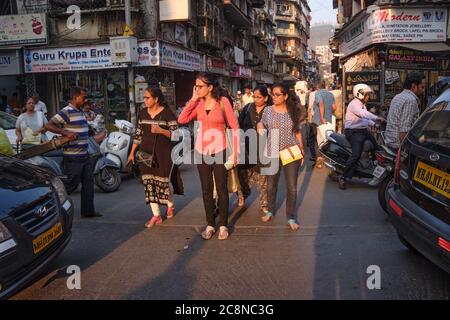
(432, 178)
(44, 240)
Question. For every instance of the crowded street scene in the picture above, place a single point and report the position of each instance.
(238, 150)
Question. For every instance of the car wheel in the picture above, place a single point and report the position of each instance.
(406, 243)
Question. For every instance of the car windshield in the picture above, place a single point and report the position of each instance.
(7, 121)
(432, 130)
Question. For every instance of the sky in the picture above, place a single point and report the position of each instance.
(322, 11)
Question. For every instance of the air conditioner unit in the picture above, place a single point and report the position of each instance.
(248, 55)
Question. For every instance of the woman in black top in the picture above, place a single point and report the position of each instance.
(155, 126)
(250, 173)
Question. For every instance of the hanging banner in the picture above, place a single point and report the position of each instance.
(27, 29)
(398, 25)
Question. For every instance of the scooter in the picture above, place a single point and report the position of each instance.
(336, 150)
(118, 145)
(106, 175)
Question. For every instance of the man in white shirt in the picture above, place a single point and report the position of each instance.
(39, 105)
(247, 97)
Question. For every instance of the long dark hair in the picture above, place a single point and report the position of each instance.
(291, 105)
(156, 92)
(265, 93)
(211, 80)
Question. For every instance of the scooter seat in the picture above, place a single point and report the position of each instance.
(343, 142)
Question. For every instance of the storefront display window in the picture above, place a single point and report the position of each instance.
(99, 85)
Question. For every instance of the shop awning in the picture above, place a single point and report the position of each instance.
(427, 47)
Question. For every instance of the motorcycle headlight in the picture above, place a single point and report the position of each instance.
(60, 189)
(117, 146)
(127, 129)
(4, 233)
(112, 146)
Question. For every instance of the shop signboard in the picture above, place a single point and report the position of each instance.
(403, 58)
(10, 63)
(69, 59)
(29, 29)
(178, 58)
(396, 25)
(84, 58)
(214, 65)
(238, 55)
(371, 78)
(245, 72)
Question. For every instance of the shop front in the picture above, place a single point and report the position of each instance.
(57, 70)
(18, 31)
(11, 77)
(380, 48)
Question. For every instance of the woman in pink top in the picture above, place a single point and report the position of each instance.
(207, 107)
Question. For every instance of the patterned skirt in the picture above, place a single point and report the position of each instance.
(157, 189)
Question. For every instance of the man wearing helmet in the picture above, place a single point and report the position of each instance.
(357, 121)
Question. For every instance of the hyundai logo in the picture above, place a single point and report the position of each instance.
(434, 157)
(41, 212)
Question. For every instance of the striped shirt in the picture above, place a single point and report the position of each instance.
(73, 120)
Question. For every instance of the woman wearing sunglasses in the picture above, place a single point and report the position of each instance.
(282, 120)
(208, 107)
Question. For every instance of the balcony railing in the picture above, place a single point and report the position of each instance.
(287, 33)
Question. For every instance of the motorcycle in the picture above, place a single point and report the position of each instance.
(386, 159)
(50, 156)
(336, 150)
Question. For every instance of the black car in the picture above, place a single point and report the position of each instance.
(35, 222)
(419, 200)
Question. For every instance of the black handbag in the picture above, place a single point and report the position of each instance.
(146, 158)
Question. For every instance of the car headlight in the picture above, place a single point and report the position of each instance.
(60, 189)
(4, 233)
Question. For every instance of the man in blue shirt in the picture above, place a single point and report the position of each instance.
(72, 123)
(324, 106)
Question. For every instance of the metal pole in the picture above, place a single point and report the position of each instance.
(130, 69)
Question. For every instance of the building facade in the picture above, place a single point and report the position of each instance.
(379, 42)
(292, 34)
(234, 39)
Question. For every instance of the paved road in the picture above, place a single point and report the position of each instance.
(342, 234)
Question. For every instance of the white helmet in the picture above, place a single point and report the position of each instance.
(360, 90)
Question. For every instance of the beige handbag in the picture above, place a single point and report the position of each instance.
(233, 177)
